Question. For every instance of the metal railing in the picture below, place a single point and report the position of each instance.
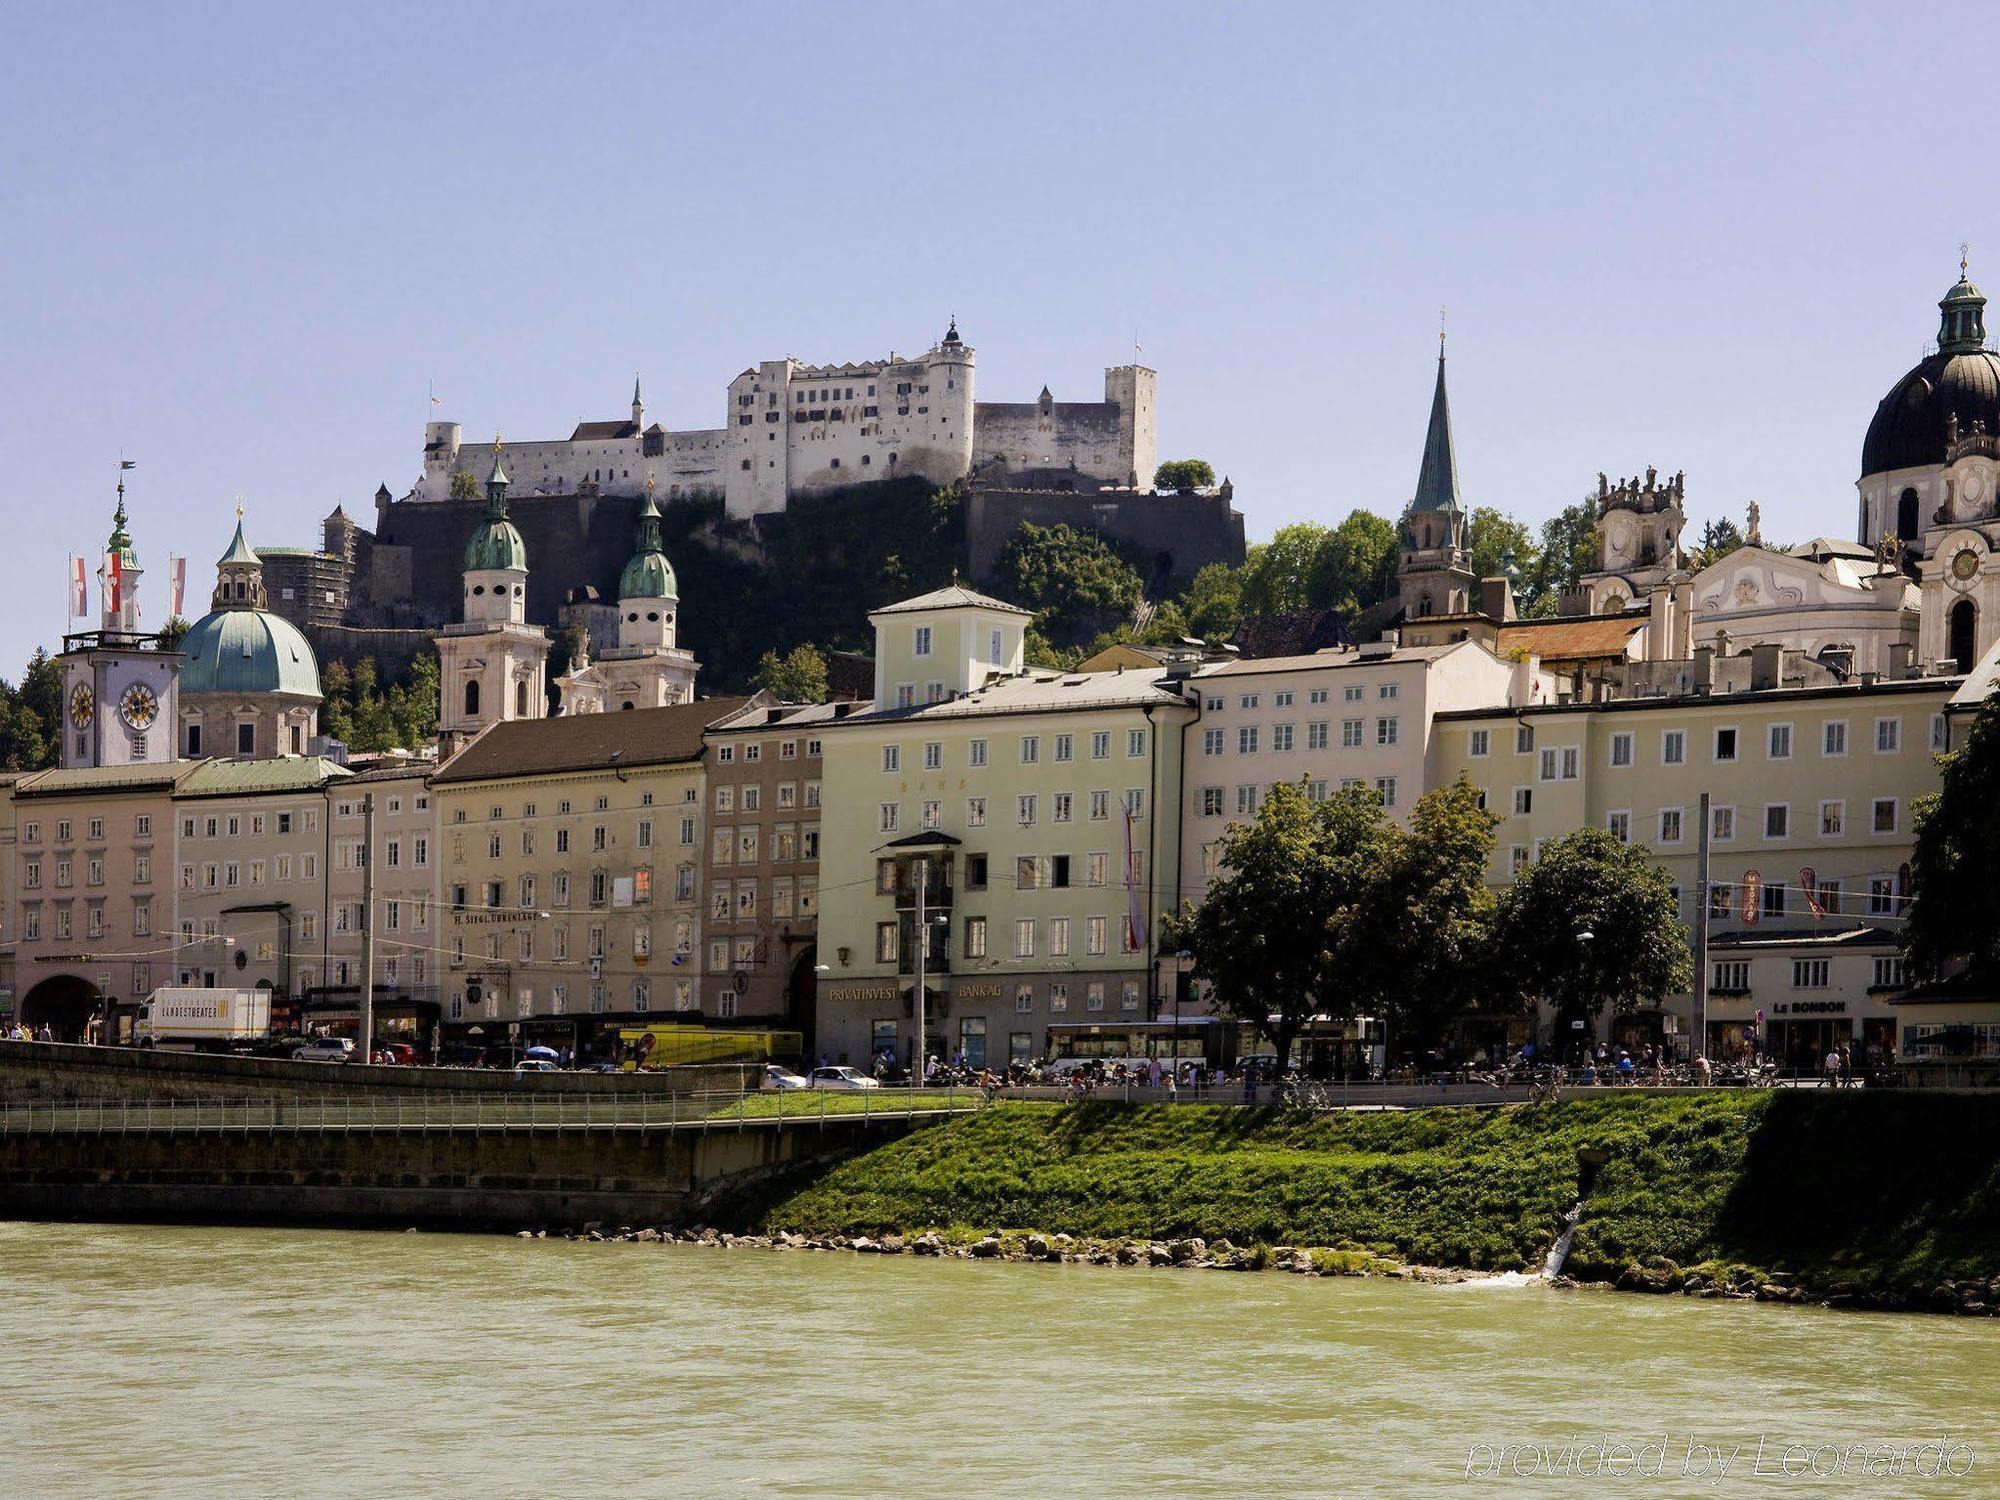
(484, 1112)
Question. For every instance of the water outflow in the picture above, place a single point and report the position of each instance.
(1559, 1251)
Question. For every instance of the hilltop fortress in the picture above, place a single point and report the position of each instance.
(796, 429)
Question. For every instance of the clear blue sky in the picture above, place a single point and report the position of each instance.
(236, 242)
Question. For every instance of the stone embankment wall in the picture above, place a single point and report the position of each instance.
(41, 1072)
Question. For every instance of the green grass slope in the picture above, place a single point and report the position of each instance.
(1878, 1190)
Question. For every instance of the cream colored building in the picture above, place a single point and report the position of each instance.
(1043, 809)
(1811, 792)
(1333, 719)
(570, 882)
(249, 856)
(408, 934)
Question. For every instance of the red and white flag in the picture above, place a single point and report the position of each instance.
(177, 577)
(1809, 879)
(79, 590)
(1135, 904)
(114, 582)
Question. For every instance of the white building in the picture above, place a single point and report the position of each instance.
(791, 428)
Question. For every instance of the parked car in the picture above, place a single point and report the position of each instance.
(840, 1077)
(325, 1049)
(397, 1054)
(778, 1076)
(536, 1065)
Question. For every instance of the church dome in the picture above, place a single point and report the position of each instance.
(1912, 427)
(494, 545)
(648, 576)
(247, 651)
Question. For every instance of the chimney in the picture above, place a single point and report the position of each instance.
(1902, 659)
(1496, 599)
(1704, 669)
(1660, 623)
(1767, 666)
(1683, 619)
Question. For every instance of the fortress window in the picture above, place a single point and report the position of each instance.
(864, 460)
(746, 463)
(833, 463)
(871, 390)
(902, 411)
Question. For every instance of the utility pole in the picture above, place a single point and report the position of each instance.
(923, 947)
(1700, 1045)
(365, 1042)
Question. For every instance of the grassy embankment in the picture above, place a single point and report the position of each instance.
(1883, 1191)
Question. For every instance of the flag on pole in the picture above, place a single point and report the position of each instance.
(1809, 879)
(177, 573)
(1135, 906)
(79, 590)
(114, 582)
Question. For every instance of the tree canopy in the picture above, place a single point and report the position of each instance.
(365, 714)
(1568, 551)
(1955, 863)
(1309, 566)
(1184, 474)
(1592, 922)
(1718, 539)
(799, 676)
(1077, 583)
(464, 485)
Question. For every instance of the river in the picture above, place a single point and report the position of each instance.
(167, 1362)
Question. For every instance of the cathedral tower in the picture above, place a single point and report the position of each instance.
(1434, 576)
(492, 664)
(646, 669)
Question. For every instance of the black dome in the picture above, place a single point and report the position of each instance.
(1911, 425)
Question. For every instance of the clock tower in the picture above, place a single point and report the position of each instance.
(120, 684)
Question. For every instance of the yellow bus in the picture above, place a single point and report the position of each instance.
(650, 1047)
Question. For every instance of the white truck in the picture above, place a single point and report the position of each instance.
(207, 1020)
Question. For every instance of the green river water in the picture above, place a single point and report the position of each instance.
(141, 1361)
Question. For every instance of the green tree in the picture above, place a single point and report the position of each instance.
(1357, 567)
(1433, 915)
(1212, 603)
(1592, 922)
(464, 485)
(1184, 474)
(1286, 573)
(1075, 581)
(799, 676)
(1568, 551)
(1290, 920)
(23, 744)
(1955, 864)
(1718, 540)
(1494, 540)
(42, 694)
(173, 633)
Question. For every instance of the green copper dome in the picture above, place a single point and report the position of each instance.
(648, 575)
(495, 544)
(247, 651)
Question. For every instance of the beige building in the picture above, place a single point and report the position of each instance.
(1810, 797)
(761, 878)
(408, 946)
(249, 853)
(93, 920)
(1332, 719)
(570, 881)
(1036, 813)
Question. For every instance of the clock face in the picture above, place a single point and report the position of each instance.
(82, 705)
(1965, 564)
(139, 706)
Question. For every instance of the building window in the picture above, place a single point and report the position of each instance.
(1211, 742)
(1777, 820)
(1031, 749)
(1722, 824)
(1619, 824)
(1481, 741)
(1888, 974)
(1350, 734)
(1888, 736)
(1885, 815)
(1246, 739)
(1833, 737)
(1731, 977)
(1211, 802)
(1673, 747)
(1810, 973)
(1725, 744)
(1832, 819)
(1386, 731)
(1670, 825)
(923, 640)
(1779, 743)
(1621, 748)
(975, 937)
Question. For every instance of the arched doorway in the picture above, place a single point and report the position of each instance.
(65, 1003)
(801, 990)
(1962, 627)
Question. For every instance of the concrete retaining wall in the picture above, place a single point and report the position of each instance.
(36, 1072)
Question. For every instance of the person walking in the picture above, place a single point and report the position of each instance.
(1846, 1066)
(1830, 1071)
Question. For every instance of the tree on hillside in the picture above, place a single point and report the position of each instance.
(42, 693)
(465, 485)
(1075, 581)
(1718, 540)
(1212, 603)
(799, 676)
(1493, 540)
(1357, 567)
(1955, 864)
(24, 746)
(1184, 474)
(1284, 574)
(1287, 922)
(1568, 551)
(1433, 914)
(1592, 922)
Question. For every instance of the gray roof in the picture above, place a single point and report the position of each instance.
(1037, 692)
(1437, 479)
(1251, 666)
(951, 596)
(235, 778)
